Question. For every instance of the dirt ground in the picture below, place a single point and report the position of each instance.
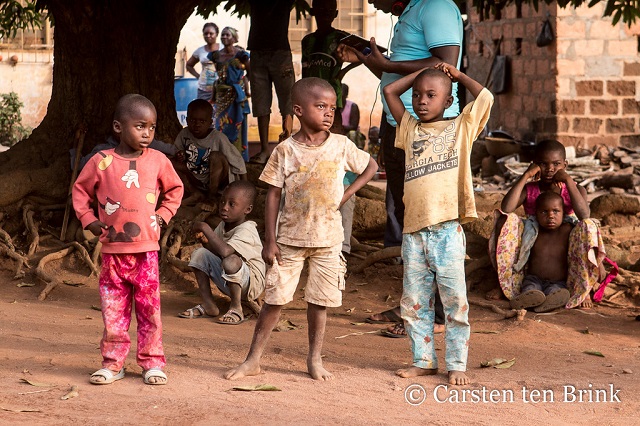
(56, 342)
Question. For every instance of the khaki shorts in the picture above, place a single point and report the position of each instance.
(324, 286)
(271, 67)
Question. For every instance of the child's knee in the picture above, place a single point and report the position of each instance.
(231, 264)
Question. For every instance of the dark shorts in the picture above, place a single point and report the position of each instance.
(271, 67)
(531, 282)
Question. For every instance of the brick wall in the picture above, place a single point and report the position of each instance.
(582, 89)
(527, 105)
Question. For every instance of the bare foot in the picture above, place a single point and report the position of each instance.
(260, 158)
(399, 330)
(317, 371)
(416, 371)
(458, 378)
(587, 304)
(247, 368)
(494, 294)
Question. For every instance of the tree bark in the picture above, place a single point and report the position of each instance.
(103, 50)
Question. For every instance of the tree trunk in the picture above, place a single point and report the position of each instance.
(102, 50)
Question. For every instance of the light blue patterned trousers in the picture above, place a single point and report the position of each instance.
(435, 256)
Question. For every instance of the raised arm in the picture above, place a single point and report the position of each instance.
(392, 92)
(577, 194)
(456, 75)
(516, 196)
(378, 63)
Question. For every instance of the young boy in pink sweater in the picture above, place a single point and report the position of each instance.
(127, 182)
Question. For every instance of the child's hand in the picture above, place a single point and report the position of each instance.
(180, 156)
(562, 176)
(200, 227)
(533, 172)
(97, 227)
(271, 252)
(452, 72)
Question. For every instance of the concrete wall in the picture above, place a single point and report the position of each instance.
(31, 78)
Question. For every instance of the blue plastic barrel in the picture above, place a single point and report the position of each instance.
(184, 90)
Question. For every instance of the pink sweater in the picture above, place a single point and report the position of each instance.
(127, 192)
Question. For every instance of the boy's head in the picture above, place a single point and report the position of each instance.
(345, 92)
(550, 156)
(431, 95)
(325, 11)
(199, 121)
(237, 202)
(374, 133)
(549, 210)
(134, 121)
(314, 103)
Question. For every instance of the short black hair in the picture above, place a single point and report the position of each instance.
(549, 145)
(200, 105)
(435, 73)
(129, 103)
(305, 85)
(548, 196)
(245, 186)
(345, 91)
(211, 24)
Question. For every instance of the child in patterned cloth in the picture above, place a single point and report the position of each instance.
(438, 196)
(513, 238)
(127, 182)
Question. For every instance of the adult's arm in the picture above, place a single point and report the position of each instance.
(190, 66)
(378, 63)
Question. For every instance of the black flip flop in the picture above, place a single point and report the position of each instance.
(391, 316)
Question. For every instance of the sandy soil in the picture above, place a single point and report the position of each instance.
(56, 342)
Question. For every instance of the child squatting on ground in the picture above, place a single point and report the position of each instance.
(206, 161)
(544, 287)
(127, 182)
(305, 172)
(513, 237)
(231, 256)
(438, 196)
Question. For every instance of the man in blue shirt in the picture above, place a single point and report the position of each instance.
(427, 32)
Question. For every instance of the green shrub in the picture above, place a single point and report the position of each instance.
(11, 129)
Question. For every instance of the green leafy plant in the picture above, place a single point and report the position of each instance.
(11, 129)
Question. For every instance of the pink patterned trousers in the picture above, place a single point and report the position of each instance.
(127, 279)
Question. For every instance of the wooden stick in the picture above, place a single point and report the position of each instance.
(40, 273)
(385, 253)
(27, 215)
(84, 254)
(518, 313)
(79, 137)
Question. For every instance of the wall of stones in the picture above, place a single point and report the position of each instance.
(582, 89)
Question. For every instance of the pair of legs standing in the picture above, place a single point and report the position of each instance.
(434, 259)
(323, 289)
(127, 279)
(271, 68)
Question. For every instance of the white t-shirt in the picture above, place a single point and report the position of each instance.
(311, 178)
(438, 182)
(208, 75)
